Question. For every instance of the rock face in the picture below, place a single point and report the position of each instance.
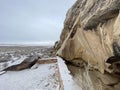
(90, 30)
(91, 34)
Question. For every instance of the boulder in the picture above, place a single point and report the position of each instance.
(27, 63)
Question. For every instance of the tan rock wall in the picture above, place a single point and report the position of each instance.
(90, 28)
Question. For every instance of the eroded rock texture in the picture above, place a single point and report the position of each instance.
(91, 34)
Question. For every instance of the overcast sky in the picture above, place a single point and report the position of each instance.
(32, 20)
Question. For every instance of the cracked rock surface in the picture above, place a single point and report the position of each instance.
(91, 34)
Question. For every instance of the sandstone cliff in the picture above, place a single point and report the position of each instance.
(91, 34)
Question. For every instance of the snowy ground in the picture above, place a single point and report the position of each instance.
(45, 77)
(7, 53)
(39, 77)
(67, 79)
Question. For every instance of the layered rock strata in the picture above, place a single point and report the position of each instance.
(91, 33)
(90, 40)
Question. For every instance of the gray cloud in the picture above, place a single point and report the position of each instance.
(32, 20)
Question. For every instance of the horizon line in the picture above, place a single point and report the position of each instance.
(31, 43)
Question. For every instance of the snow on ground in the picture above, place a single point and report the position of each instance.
(45, 77)
(68, 82)
(16, 61)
